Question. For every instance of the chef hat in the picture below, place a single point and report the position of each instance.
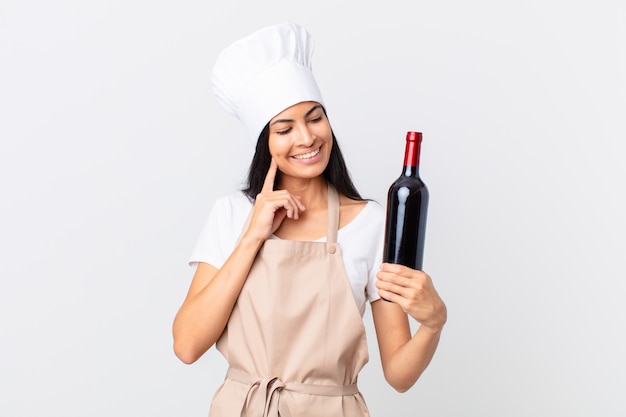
(264, 73)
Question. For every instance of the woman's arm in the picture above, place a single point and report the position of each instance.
(405, 357)
(212, 295)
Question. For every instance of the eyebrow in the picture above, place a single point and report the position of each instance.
(311, 110)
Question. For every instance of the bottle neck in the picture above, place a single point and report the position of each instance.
(412, 154)
(409, 171)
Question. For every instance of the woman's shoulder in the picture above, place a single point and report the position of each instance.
(231, 207)
(365, 207)
(366, 216)
(373, 213)
(234, 198)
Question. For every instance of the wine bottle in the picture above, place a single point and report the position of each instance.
(407, 204)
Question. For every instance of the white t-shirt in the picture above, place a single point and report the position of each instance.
(361, 242)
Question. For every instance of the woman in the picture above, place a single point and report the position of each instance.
(284, 268)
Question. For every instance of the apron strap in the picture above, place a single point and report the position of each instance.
(333, 215)
(310, 389)
(264, 393)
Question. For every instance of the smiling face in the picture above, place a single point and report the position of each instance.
(300, 140)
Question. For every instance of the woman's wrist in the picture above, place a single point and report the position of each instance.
(434, 326)
(431, 330)
(251, 242)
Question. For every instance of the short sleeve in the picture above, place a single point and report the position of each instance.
(221, 230)
(361, 243)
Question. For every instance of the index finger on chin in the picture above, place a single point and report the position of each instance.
(270, 177)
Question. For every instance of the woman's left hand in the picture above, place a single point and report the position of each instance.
(414, 292)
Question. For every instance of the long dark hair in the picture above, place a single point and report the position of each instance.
(336, 172)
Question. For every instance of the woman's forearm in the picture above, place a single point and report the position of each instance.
(410, 360)
(412, 294)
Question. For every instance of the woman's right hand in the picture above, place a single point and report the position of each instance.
(272, 207)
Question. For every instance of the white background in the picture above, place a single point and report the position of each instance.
(113, 150)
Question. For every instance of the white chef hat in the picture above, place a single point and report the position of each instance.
(264, 73)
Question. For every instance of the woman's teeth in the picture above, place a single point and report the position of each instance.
(307, 155)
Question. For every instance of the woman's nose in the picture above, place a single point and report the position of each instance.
(306, 136)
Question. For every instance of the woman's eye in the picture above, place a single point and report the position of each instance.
(283, 132)
(316, 119)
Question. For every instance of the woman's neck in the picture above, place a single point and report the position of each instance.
(312, 192)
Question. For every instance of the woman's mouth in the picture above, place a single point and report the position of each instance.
(307, 155)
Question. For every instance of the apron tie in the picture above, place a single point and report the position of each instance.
(271, 403)
(264, 393)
